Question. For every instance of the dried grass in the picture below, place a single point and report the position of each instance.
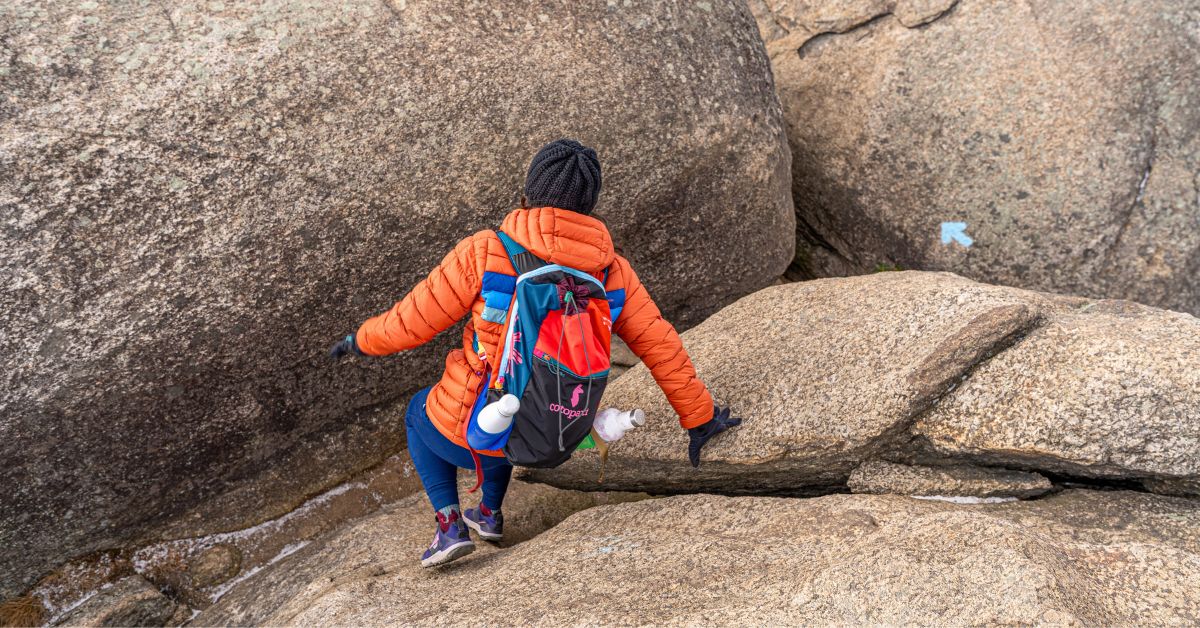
(22, 611)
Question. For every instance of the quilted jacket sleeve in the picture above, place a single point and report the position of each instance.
(656, 342)
(434, 305)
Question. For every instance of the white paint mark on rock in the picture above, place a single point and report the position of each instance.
(958, 499)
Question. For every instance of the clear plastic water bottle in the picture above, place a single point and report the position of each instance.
(490, 428)
(611, 424)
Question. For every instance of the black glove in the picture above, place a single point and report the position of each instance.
(344, 346)
(701, 433)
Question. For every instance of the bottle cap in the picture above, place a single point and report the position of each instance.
(509, 405)
(637, 418)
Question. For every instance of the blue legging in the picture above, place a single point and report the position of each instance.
(437, 461)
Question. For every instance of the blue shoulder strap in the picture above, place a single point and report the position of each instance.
(616, 298)
(498, 288)
(511, 246)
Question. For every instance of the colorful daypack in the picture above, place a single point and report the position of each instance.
(555, 355)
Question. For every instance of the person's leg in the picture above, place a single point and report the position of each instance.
(496, 474)
(496, 470)
(451, 540)
(487, 521)
(438, 476)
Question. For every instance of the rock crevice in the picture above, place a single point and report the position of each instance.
(958, 480)
(1126, 216)
(797, 26)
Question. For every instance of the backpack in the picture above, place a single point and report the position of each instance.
(554, 357)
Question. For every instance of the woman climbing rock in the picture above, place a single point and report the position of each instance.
(556, 263)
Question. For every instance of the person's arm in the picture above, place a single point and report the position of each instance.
(433, 306)
(654, 340)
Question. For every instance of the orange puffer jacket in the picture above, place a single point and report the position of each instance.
(452, 291)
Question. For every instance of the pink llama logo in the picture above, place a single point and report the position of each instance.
(571, 413)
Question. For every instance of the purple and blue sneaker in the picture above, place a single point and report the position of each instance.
(450, 542)
(487, 523)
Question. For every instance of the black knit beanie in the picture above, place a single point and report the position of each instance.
(564, 174)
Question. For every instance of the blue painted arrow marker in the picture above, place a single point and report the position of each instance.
(956, 231)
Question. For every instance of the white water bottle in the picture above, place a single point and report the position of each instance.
(496, 417)
(611, 424)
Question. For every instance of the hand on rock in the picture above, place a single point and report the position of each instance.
(344, 346)
(700, 434)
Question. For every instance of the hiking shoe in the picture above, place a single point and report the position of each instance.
(451, 541)
(487, 523)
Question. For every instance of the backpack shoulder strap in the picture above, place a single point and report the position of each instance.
(522, 260)
(616, 297)
(497, 291)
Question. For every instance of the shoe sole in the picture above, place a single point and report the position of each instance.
(454, 552)
(487, 536)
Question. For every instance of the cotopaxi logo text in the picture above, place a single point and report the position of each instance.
(567, 412)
